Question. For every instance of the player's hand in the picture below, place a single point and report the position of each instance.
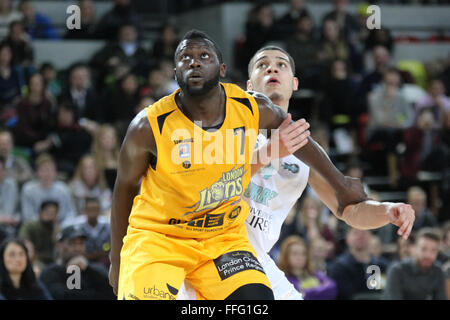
(114, 277)
(402, 215)
(289, 137)
(351, 193)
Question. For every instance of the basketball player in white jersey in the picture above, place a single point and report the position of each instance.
(276, 187)
(274, 190)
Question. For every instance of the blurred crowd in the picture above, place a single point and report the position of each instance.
(61, 130)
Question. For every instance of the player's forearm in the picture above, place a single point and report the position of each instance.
(368, 214)
(122, 203)
(261, 158)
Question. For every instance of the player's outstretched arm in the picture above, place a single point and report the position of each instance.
(289, 137)
(347, 190)
(366, 214)
(138, 145)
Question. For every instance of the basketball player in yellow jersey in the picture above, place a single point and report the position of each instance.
(192, 150)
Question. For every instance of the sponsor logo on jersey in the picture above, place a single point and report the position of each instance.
(259, 220)
(184, 150)
(234, 262)
(154, 292)
(177, 141)
(292, 167)
(227, 187)
(259, 194)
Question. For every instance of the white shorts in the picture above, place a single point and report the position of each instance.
(282, 288)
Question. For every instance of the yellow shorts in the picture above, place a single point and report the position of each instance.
(154, 265)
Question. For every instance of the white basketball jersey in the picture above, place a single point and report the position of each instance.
(271, 194)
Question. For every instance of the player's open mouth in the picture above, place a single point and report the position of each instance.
(273, 81)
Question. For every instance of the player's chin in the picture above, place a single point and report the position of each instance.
(196, 90)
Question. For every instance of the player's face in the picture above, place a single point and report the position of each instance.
(272, 75)
(197, 68)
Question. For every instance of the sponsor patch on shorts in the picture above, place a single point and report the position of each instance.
(234, 262)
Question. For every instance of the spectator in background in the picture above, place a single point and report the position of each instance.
(97, 231)
(376, 249)
(158, 84)
(35, 113)
(405, 249)
(445, 245)
(121, 14)
(303, 47)
(89, 181)
(9, 199)
(121, 103)
(11, 83)
(321, 251)
(166, 43)
(52, 84)
(424, 148)
(288, 23)
(389, 115)
(16, 167)
(259, 29)
(418, 278)
(417, 198)
(68, 141)
(381, 61)
(379, 37)
(336, 106)
(144, 102)
(349, 270)
(19, 41)
(7, 15)
(307, 222)
(125, 50)
(94, 284)
(42, 233)
(46, 187)
(167, 66)
(17, 278)
(82, 94)
(295, 261)
(37, 24)
(437, 101)
(332, 47)
(88, 21)
(106, 151)
(346, 23)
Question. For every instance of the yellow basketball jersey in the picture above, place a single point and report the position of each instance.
(195, 188)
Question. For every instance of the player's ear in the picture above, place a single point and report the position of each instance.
(223, 70)
(295, 83)
(249, 85)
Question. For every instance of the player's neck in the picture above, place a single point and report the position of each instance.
(282, 104)
(208, 108)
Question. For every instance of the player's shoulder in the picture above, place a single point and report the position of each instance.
(263, 101)
(234, 91)
(162, 106)
(259, 96)
(140, 131)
